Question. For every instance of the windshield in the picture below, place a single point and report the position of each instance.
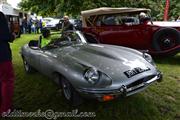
(66, 39)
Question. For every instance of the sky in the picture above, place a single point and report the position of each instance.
(14, 2)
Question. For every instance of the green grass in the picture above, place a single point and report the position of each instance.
(161, 101)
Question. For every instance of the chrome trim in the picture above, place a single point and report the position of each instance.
(151, 80)
(142, 84)
(127, 92)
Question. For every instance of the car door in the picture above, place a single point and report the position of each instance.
(47, 61)
(118, 30)
(138, 37)
(50, 58)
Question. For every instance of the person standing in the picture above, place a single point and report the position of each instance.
(29, 24)
(6, 68)
(67, 25)
(40, 25)
(36, 23)
(21, 25)
(24, 23)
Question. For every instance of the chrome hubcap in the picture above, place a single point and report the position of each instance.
(167, 42)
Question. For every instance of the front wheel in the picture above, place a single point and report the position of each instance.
(27, 67)
(166, 38)
(70, 93)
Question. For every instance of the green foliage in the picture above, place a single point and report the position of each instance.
(73, 7)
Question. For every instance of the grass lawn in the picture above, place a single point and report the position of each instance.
(161, 101)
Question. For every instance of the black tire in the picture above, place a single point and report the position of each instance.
(90, 38)
(27, 67)
(70, 93)
(166, 38)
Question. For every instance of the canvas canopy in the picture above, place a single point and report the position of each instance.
(108, 10)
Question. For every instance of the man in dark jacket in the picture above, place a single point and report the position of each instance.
(67, 25)
(6, 68)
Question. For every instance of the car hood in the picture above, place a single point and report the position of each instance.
(111, 60)
(166, 23)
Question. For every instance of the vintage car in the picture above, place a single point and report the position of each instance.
(98, 71)
(126, 27)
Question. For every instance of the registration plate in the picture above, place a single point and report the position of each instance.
(135, 71)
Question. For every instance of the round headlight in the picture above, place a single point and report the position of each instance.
(148, 58)
(92, 76)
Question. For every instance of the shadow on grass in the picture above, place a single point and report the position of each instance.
(134, 107)
(175, 60)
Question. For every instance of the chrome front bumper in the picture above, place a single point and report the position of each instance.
(122, 91)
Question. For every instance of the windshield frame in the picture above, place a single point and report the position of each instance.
(52, 45)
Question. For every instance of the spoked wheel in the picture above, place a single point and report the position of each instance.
(27, 67)
(165, 39)
(70, 93)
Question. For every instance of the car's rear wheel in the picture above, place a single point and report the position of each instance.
(166, 38)
(27, 67)
(70, 93)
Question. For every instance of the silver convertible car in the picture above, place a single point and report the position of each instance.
(98, 71)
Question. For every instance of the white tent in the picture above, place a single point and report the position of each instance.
(8, 10)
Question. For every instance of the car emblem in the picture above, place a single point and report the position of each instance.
(135, 71)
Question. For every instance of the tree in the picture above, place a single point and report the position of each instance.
(73, 7)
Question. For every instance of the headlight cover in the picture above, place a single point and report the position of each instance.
(148, 58)
(92, 75)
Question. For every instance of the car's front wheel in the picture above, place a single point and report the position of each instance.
(27, 67)
(70, 93)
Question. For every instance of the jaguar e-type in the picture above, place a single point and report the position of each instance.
(99, 71)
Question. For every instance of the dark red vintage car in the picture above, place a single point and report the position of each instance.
(131, 27)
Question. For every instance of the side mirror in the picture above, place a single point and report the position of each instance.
(33, 44)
